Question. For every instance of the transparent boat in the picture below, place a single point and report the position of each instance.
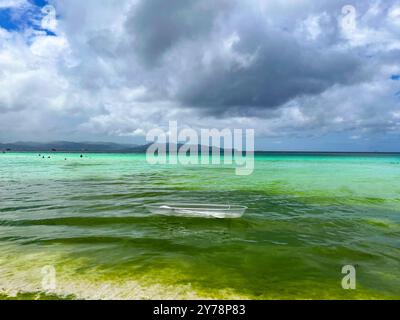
(197, 210)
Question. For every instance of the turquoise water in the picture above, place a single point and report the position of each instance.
(308, 216)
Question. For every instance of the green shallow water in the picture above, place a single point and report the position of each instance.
(308, 216)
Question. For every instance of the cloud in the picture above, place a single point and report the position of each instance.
(6, 4)
(282, 69)
(157, 26)
(285, 68)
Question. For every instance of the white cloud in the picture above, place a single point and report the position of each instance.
(394, 15)
(4, 4)
(311, 26)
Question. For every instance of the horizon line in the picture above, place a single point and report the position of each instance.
(136, 145)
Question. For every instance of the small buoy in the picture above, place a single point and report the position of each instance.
(81, 156)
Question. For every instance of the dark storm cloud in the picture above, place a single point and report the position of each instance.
(282, 70)
(280, 66)
(177, 50)
(158, 25)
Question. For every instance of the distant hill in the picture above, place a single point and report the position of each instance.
(66, 146)
(90, 147)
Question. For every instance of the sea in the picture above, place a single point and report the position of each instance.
(79, 228)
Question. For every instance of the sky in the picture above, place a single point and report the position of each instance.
(304, 74)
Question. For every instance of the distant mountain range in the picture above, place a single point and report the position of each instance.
(66, 146)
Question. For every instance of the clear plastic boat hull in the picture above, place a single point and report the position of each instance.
(197, 210)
